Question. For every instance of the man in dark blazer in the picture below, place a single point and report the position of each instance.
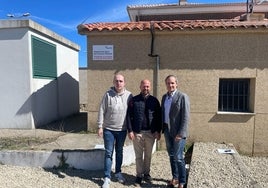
(175, 118)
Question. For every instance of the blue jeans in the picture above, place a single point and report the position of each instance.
(175, 151)
(113, 139)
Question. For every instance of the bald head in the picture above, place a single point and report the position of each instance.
(145, 87)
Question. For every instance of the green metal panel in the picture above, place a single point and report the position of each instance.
(44, 57)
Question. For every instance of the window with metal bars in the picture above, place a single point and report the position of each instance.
(234, 95)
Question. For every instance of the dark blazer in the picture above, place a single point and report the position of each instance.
(179, 114)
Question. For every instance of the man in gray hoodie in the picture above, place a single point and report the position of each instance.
(112, 126)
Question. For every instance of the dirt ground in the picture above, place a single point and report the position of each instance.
(28, 177)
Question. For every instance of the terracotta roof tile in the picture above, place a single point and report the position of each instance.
(173, 25)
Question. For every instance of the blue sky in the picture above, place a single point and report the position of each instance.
(63, 16)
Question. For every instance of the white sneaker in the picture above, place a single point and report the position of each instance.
(120, 177)
(106, 183)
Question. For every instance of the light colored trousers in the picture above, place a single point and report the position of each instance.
(143, 146)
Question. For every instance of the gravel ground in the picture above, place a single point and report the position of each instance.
(208, 169)
(27, 177)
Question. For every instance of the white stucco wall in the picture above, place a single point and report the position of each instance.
(28, 102)
(56, 99)
(68, 82)
(15, 79)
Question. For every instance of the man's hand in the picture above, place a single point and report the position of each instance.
(178, 138)
(131, 136)
(100, 132)
(157, 135)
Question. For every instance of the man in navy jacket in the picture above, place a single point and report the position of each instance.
(144, 126)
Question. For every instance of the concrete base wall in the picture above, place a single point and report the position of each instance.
(78, 159)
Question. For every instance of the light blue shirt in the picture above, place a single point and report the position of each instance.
(167, 106)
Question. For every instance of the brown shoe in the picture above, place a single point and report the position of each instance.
(173, 183)
(180, 186)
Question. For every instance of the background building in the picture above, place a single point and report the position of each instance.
(39, 75)
(194, 11)
(221, 65)
(83, 89)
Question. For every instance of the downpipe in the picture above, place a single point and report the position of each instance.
(157, 64)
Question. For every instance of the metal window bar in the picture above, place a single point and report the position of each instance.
(234, 95)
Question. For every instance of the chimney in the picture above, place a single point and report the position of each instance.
(255, 17)
(182, 2)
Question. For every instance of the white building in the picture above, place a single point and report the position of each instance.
(39, 75)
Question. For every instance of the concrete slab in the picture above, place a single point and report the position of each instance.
(91, 159)
(72, 149)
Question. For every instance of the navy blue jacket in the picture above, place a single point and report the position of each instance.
(139, 106)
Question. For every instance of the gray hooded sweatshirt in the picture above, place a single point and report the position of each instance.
(113, 110)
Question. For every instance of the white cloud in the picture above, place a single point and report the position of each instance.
(119, 13)
(110, 14)
(62, 25)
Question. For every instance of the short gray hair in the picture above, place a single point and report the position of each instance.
(169, 76)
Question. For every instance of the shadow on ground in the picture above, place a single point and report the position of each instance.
(75, 123)
(93, 176)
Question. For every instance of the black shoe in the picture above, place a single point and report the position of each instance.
(147, 177)
(138, 181)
